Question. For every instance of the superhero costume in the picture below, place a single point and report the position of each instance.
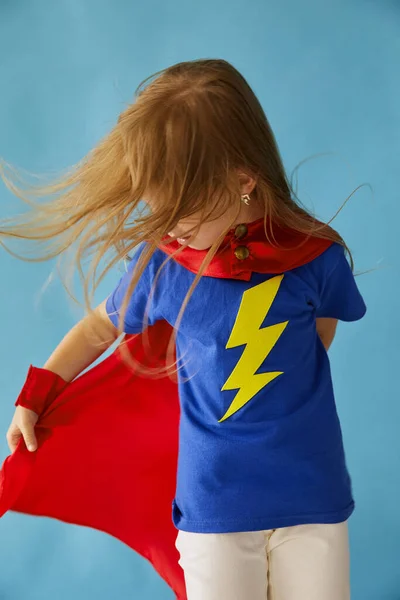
(108, 443)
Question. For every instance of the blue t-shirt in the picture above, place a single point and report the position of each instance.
(260, 444)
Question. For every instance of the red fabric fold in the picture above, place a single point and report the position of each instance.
(107, 457)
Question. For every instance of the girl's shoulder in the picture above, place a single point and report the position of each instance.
(332, 262)
(155, 260)
(330, 259)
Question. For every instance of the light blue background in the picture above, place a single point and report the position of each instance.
(327, 73)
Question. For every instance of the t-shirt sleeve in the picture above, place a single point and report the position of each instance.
(138, 303)
(339, 296)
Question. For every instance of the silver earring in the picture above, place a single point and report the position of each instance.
(245, 199)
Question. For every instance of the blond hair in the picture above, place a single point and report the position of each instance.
(182, 142)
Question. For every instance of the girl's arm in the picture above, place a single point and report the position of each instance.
(83, 344)
(326, 329)
(78, 350)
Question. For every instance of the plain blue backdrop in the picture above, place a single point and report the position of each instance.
(328, 75)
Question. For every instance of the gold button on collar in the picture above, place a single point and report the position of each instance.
(241, 252)
(240, 231)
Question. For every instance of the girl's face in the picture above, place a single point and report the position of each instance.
(206, 234)
(210, 231)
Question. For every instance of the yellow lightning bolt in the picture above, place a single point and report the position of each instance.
(253, 309)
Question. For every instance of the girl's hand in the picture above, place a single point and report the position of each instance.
(23, 425)
(79, 349)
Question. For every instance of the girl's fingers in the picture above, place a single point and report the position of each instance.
(13, 437)
(23, 425)
(28, 433)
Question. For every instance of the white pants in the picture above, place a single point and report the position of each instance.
(309, 562)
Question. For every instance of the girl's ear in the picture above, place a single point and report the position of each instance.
(247, 183)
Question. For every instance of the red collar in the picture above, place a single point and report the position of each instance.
(245, 250)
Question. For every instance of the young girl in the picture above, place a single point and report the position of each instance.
(253, 286)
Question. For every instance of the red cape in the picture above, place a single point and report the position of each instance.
(108, 444)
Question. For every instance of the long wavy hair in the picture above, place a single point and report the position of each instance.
(190, 130)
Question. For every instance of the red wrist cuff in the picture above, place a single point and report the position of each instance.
(40, 389)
